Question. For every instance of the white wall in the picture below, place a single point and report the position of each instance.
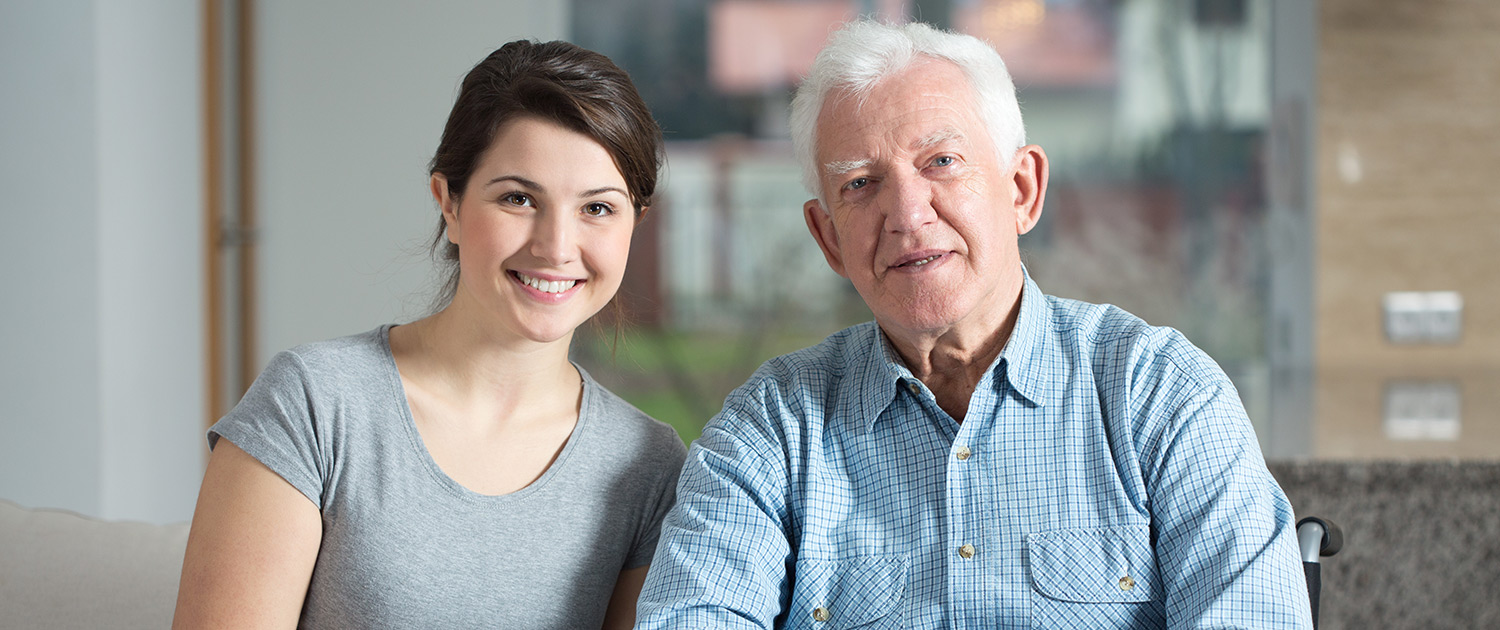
(101, 394)
(151, 317)
(352, 96)
(101, 260)
(49, 256)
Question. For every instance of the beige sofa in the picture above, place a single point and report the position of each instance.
(59, 569)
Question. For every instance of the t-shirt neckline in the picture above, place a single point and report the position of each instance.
(436, 472)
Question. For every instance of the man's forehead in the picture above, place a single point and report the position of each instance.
(859, 138)
(917, 108)
(857, 157)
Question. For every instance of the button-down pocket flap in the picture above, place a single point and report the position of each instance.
(1094, 565)
(852, 591)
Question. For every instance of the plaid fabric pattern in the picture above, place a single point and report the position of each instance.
(1106, 476)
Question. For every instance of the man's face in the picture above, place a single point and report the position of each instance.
(923, 211)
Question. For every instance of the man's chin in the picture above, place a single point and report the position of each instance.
(908, 324)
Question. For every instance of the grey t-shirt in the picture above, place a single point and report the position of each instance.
(405, 546)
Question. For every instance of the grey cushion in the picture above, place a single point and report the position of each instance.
(59, 569)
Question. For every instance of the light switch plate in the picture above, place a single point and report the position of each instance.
(1423, 316)
(1423, 410)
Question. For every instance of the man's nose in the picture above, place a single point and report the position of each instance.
(552, 238)
(909, 203)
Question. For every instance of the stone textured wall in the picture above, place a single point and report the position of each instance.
(1421, 541)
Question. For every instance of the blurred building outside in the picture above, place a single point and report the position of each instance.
(1153, 112)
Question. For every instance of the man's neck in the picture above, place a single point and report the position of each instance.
(952, 362)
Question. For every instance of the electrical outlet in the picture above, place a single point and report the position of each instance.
(1422, 410)
(1423, 316)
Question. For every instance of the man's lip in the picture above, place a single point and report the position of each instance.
(907, 259)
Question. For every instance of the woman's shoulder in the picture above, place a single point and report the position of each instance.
(354, 366)
(627, 429)
(340, 355)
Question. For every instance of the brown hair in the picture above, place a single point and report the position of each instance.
(557, 81)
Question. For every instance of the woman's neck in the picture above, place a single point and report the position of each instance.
(469, 364)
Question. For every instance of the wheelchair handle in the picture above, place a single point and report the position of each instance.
(1318, 537)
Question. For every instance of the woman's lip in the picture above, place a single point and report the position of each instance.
(539, 275)
(544, 296)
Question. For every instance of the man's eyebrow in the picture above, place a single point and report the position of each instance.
(844, 166)
(938, 137)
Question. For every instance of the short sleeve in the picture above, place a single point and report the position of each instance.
(275, 423)
(663, 495)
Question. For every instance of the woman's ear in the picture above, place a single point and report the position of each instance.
(446, 203)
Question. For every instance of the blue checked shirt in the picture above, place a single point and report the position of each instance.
(1106, 476)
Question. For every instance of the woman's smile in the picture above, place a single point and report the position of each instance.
(545, 289)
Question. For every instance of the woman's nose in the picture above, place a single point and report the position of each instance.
(553, 240)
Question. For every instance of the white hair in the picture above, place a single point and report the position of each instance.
(864, 52)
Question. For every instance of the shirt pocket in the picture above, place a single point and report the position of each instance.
(848, 593)
(1095, 565)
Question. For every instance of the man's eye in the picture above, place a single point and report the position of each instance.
(943, 160)
(857, 183)
(598, 209)
(517, 199)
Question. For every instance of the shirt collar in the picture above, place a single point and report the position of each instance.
(873, 378)
(1029, 367)
(878, 374)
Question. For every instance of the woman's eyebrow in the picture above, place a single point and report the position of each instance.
(526, 183)
(601, 190)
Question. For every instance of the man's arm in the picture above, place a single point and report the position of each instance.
(1226, 539)
(722, 558)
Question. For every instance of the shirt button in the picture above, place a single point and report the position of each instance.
(1127, 583)
(962, 453)
(821, 614)
(967, 551)
(913, 387)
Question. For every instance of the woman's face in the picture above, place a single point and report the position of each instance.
(543, 230)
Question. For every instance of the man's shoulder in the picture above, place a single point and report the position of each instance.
(1111, 338)
(788, 396)
(819, 366)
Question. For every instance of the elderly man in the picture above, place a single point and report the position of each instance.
(982, 455)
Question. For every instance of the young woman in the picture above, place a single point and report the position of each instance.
(459, 471)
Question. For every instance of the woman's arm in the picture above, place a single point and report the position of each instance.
(621, 612)
(251, 549)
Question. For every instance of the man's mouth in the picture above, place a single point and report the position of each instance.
(919, 262)
(918, 259)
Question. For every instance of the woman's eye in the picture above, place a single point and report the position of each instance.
(517, 199)
(598, 209)
(943, 160)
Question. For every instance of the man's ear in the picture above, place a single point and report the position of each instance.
(446, 202)
(1030, 178)
(821, 227)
